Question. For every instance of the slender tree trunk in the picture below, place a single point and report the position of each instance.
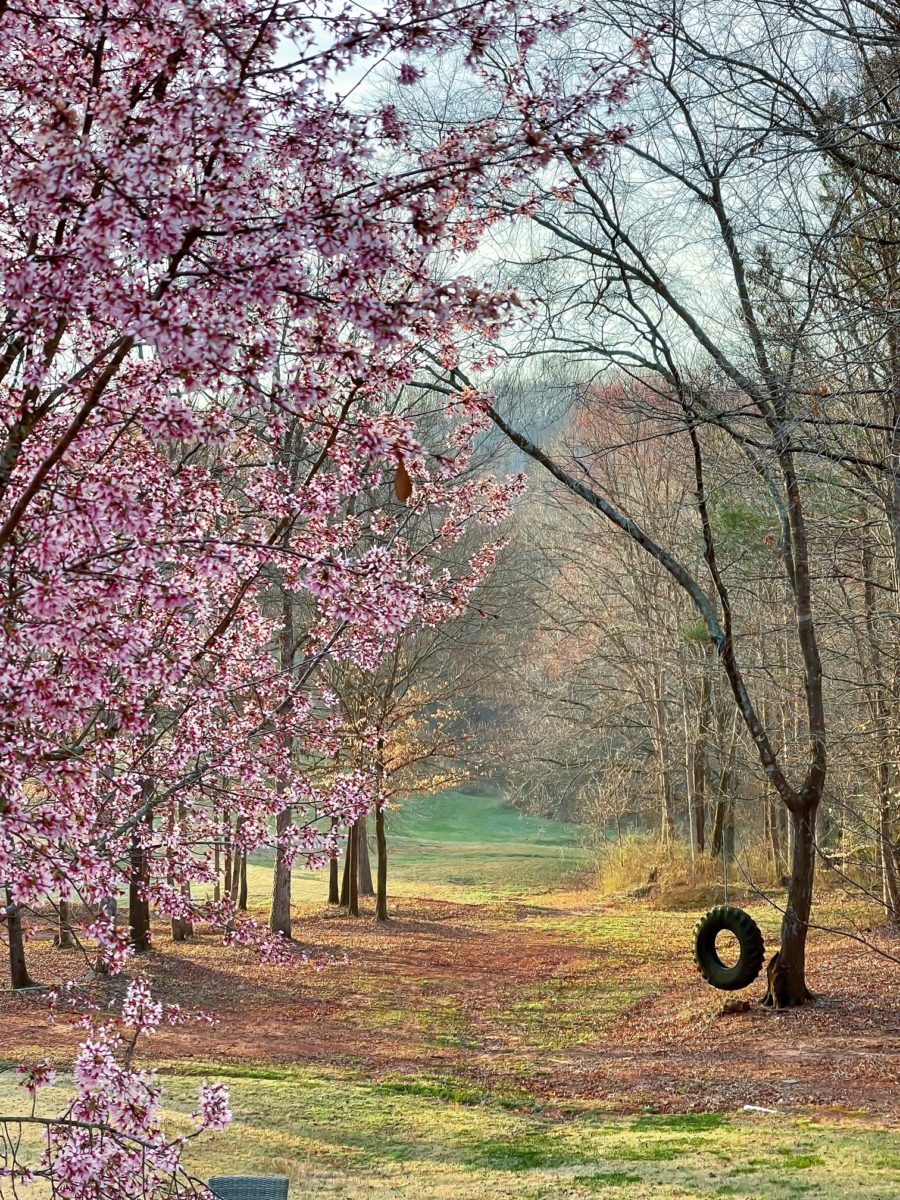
(723, 835)
(217, 866)
(110, 907)
(138, 901)
(345, 877)
(880, 710)
(381, 905)
(890, 884)
(182, 927)
(64, 937)
(280, 916)
(353, 898)
(182, 930)
(667, 797)
(699, 759)
(18, 969)
(366, 887)
(229, 858)
(242, 891)
(237, 852)
(334, 891)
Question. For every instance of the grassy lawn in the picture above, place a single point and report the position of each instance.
(462, 846)
(336, 1135)
(507, 1037)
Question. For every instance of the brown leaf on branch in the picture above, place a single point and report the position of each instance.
(402, 482)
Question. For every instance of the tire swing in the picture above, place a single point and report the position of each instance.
(750, 942)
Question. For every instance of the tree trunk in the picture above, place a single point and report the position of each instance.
(723, 834)
(700, 758)
(667, 797)
(890, 885)
(138, 901)
(182, 927)
(381, 906)
(353, 896)
(242, 891)
(182, 930)
(364, 874)
(236, 856)
(64, 938)
(345, 877)
(280, 916)
(217, 867)
(787, 970)
(880, 708)
(334, 891)
(110, 907)
(18, 969)
(229, 858)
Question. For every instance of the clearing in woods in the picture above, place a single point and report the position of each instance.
(508, 1036)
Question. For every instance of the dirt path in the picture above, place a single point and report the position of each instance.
(565, 1004)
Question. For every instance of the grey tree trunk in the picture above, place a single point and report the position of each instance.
(364, 875)
(280, 916)
(353, 872)
(345, 875)
(236, 857)
(110, 907)
(381, 905)
(334, 890)
(18, 968)
(64, 939)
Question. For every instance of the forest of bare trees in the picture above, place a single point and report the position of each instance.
(718, 355)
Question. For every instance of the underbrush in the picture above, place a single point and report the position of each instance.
(666, 875)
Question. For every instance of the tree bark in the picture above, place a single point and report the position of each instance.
(723, 834)
(334, 891)
(138, 902)
(699, 758)
(345, 877)
(353, 896)
(787, 971)
(364, 874)
(381, 905)
(182, 927)
(667, 798)
(890, 884)
(18, 969)
(64, 938)
(110, 907)
(880, 708)
(229, 857)
(242, 891)
(280, 916)
(236, 856)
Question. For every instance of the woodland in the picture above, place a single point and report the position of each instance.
(450, 543)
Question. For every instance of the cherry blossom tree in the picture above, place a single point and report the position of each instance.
(215, 268)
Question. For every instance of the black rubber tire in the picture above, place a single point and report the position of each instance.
(750, 941)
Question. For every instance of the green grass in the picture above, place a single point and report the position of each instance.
(462, 846)
(336, 1135)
